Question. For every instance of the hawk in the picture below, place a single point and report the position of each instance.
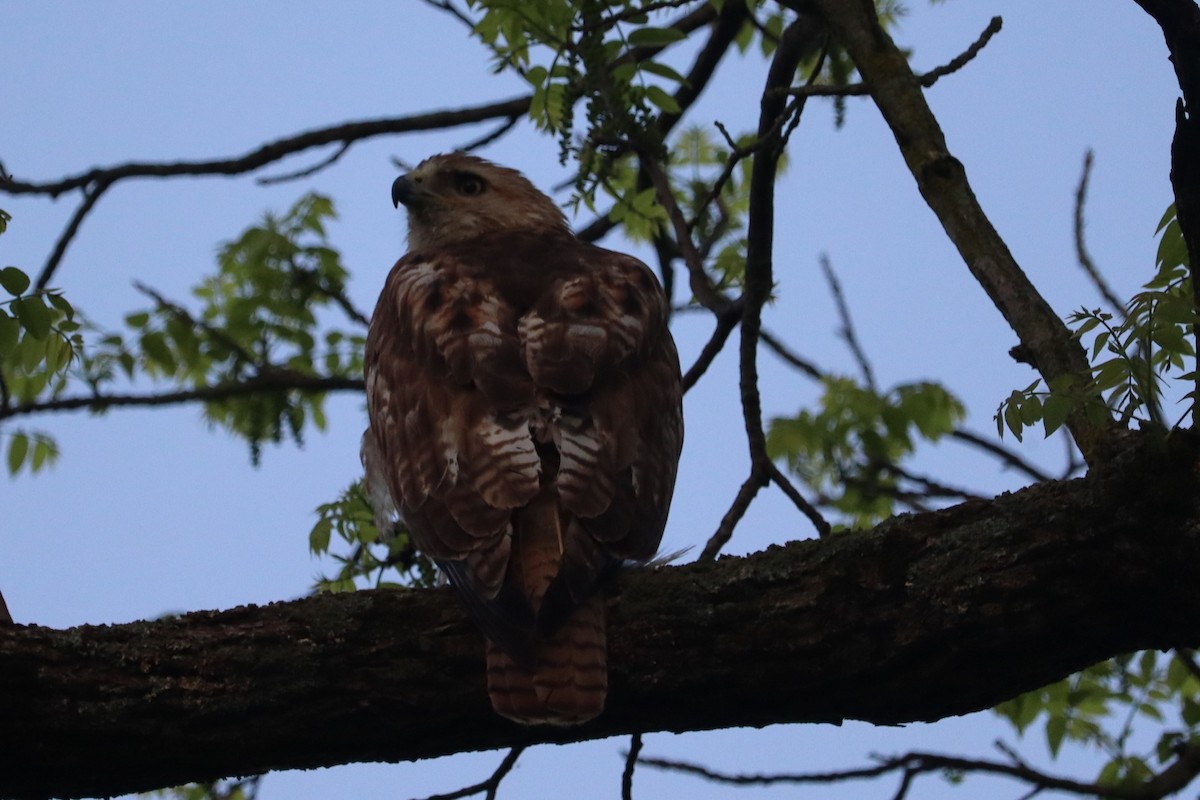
(524, 398)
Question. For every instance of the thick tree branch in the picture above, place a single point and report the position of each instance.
(1180, 24)
(927, 616)
(943, 183)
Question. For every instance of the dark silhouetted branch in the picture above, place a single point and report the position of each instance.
(272, 381)
(942, 181)
(899, 624)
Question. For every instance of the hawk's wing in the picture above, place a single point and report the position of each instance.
(513, 367)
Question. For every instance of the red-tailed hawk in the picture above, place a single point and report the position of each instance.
(525, 420)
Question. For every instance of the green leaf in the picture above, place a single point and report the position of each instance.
(60, 302)
(318, 537)
(655, 37)
(10, 331)
(663, 71)
(137, 320)
(17, 448)
(43, 451)
(659, 97)
(1055, 410)
(14, 281)
(33, 314)
(1056, 729)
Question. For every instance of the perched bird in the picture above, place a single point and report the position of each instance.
(525, 412)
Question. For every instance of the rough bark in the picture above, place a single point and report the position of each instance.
(924, 617)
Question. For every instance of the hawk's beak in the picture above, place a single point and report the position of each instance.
(405, 191)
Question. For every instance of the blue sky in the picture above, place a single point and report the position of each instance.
(151, 512)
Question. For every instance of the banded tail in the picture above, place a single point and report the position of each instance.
(565, 679)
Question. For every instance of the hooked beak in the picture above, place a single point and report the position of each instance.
(405, 190)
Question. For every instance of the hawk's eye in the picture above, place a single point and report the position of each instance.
(468, 184)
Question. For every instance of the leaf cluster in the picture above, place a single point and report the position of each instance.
(258, 320)
(39, 339)
(1131, 356)
(371, 553)
(850, 447)
(1101, 706)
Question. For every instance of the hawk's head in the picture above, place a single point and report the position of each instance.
(455, 197)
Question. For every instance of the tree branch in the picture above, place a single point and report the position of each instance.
(1185, 768)
(942, 181)
(889, 626)
(1081, 252)
(275, 380)
(275, 150)
(1180, 24)
(96, 181)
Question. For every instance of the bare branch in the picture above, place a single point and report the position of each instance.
(847, 331)
(274, 380)
(1005, 455)
(491, 136)
(277, 149)
(737, 510)
(90, 196)
(727, 320)
(789, 356)
(1081, 251)
(489, 786)
(806, 508)
(917, 763)
(96, 181)
(631, 760)
(942, 181)
(307, 171)
(926, 80)
(454, 11)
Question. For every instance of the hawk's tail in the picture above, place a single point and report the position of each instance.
(565, 680)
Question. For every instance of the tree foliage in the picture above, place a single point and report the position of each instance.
(263, 339)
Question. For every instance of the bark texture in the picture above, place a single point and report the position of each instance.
(924, 617)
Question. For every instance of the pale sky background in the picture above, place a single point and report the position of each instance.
(149, 512)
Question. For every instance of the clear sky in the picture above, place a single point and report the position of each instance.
(150, 512)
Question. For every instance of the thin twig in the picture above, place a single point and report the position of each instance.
(182, 314)
(307, 171)
(789, 356)
(1007, 456)
(631, 759)
(491, 136)
(726, 322)
(737, 510)
(452, 10)
(1081, 251)
(847, 331)
(90, 195)
(806, 508)
(926, 80)
(488, 786)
